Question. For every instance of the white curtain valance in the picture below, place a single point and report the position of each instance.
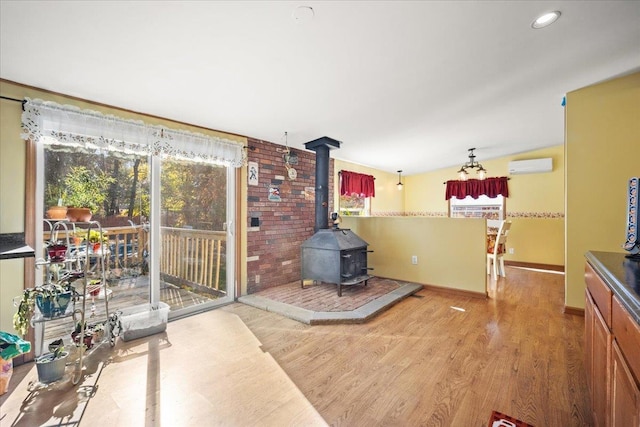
(86, 130)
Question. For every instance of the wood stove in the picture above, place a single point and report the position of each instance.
(331, 255)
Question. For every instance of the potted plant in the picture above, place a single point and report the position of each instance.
(78, 236)
(92, 334)
(95, 237)
(52, 300)
(51, 365)
(82, 335)
(86, 191)
(56, 209)
(97, 331)
(57, 251)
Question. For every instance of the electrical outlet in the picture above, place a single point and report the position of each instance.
(414, 259)
(511, 251)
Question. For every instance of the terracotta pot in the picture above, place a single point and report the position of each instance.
(57, 212)
(79, 214)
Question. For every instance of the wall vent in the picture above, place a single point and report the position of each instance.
(519, 167)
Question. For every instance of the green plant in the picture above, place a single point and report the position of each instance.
(90, 333)
(94, 235)
(86, 189)
(54, 194)
(58, 352)
(27, 304)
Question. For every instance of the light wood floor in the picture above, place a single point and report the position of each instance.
(432, 360)
(441, 360)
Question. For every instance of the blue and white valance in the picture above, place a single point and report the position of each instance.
(71, 128)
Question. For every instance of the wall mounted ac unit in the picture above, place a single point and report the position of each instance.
(519, 167)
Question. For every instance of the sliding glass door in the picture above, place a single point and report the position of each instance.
(167, 224)
(195, 244)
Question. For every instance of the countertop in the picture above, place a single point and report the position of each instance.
(622, 275)
(12, 245)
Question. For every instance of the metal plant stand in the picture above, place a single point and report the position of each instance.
(79, 257)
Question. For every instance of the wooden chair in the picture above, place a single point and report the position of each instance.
(495, 251)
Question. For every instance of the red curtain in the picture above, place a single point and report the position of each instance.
(475, 188)
(352, 182)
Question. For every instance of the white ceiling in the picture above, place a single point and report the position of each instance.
(404, 85)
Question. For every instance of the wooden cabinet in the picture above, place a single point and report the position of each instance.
(597, 361)
(612, 356)
(625, 393)
(601, 356)
(625, 368)
(588, 340)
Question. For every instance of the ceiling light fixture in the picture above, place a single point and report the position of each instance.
(545, 20)
(399, 184)
(471, 164)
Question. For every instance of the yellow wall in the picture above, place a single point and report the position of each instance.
(388, 200)
(12, 176)
(602, 153)
(535, 204)
(442, 260)
(425, 192)
(12, 164)
(12, 197)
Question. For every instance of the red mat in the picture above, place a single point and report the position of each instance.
(499, 419)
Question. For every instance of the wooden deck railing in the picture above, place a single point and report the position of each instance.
(126, 243)
(188, 257)
(193, 256)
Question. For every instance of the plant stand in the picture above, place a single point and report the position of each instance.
(82, 256)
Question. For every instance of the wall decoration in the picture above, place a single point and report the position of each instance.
(309, 193)
(253, 173)
(274, 194)
(633, 204)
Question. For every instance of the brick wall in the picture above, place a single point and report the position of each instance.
(273, 247)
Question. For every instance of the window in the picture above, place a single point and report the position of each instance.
(164, 197)
(356, 189)
(492, 209)
(355, 205)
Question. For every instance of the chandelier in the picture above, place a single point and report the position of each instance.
(471, 164)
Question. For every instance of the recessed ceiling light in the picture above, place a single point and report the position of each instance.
(546, 19)
(303, 13)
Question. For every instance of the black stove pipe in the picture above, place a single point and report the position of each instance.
(322, 146)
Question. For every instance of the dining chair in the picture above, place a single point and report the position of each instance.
(496, 250)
